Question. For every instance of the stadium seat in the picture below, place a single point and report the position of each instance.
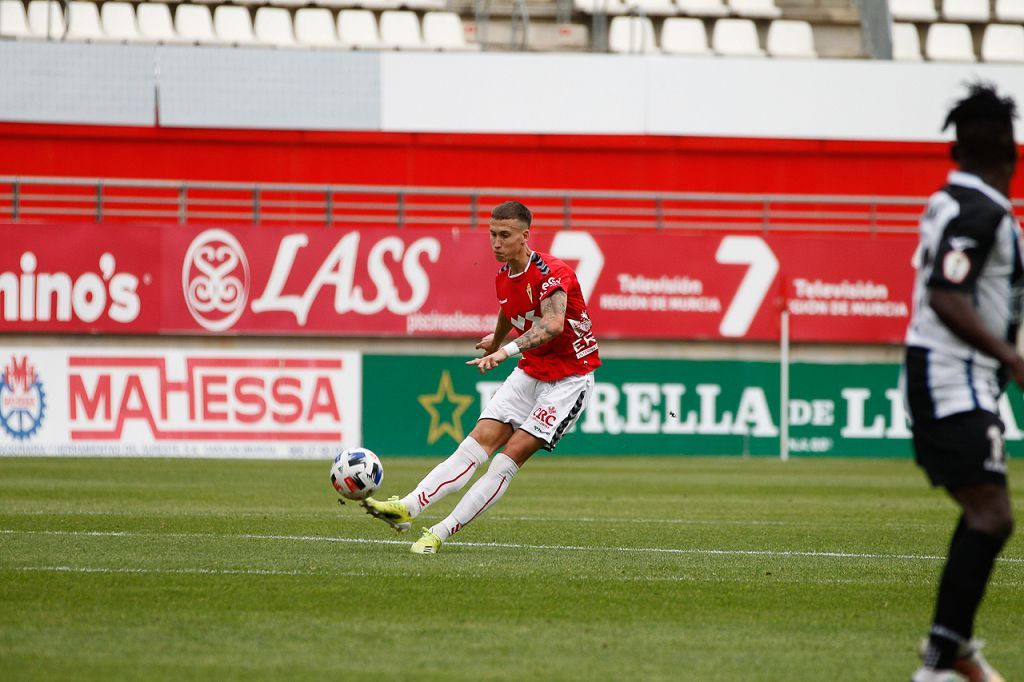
(84, 21)
(13, 22)
(949, 43)
(655, 8)
(612, 7)
(736, 38)
(282, 3)
(1003, 43)
(155, 22)
(118, 19)
(194, 24)
(45, 19)
(755, 9)
(444, 31)
(400, 30)
(1010, 10)
(233, 24)
(906, 43)
(379, 4)
(357, 29)
(913, 10)
(684, 35)
(788, 38)
(273, 26)
(424, 5)
(703, 8)
(314, 27)
(972, 11)
(631, 35)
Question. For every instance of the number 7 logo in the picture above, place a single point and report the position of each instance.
(752, 251)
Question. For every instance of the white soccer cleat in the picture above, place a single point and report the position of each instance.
(973, 666)
(931, 675)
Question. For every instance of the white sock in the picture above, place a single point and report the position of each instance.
(447, 477)
(484, 494)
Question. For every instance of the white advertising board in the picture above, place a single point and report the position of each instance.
(169, 401)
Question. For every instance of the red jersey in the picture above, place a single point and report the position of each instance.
(574, 351)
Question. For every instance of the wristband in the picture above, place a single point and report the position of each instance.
(511, 349)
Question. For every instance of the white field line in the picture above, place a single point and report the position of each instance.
(499, 517)
(778, 580)
(505, 545)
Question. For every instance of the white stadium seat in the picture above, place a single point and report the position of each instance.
(655, 8)
(703, 8)
(913, 10)
(684, 35)
(906, 43)
(444, 31)
(155, 22)
(194, 24)
(736, 38)
(273, 26)
(400, 30)
(379, 4)
(357, 28)
(233, 24)
(755, 9)
(278, 3)
(611, 7)
(975, 11)
(1010, 10)
(13, 21)
(788, 38)
(46, 19)
(631, 35)
(84, 21)
(949, 43)
(424, 5)
(1003, 43)
(314, 27)
(118, 20)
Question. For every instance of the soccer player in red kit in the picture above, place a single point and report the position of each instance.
(540, 400)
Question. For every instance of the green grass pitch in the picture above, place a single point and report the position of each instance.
(589, 569)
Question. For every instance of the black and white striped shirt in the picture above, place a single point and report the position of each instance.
(969, 243)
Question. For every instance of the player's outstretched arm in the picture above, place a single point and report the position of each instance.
(955, 310)
(492, 342)
(550, 325)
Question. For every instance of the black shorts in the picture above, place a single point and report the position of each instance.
(961, 449)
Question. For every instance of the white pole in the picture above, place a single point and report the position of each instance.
(784, 388)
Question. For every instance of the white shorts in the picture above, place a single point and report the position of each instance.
(545, 409)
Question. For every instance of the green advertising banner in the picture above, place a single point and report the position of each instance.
(416, 405)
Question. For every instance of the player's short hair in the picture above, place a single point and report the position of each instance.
(984, 126)
(512, 210)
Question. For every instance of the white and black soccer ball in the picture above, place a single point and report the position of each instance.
(357, 473)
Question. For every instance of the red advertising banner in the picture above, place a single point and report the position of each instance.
(436, 283)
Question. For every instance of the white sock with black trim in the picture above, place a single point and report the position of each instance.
(484, 494)
(447, 477)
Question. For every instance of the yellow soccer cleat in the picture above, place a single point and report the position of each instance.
(391, 512)
(428, 544)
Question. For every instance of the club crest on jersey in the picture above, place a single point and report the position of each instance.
(956, 265)
(529, 292)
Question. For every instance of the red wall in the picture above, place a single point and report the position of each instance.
(475, 160)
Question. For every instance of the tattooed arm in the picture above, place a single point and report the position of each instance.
(550, 325)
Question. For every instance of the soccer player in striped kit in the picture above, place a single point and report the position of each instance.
(961, 351)
(538, 403)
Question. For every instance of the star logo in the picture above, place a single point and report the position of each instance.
(445, 399)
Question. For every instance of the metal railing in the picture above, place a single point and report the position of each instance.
(49, 199)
